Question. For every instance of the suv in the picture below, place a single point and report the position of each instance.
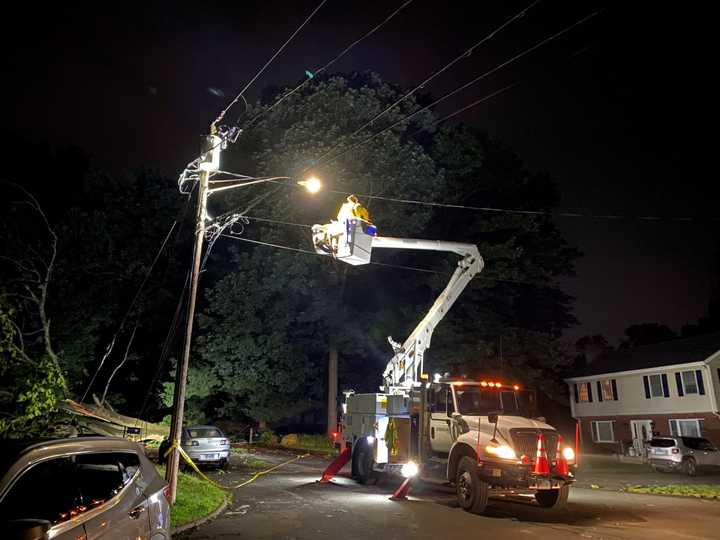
(83, 487)
(685, 453)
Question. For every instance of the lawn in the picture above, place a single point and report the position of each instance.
(247, 459)
(196, 498)
(313, 443)
(703, 491)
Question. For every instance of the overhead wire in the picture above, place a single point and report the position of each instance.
(264, 67)
(437, 73)
(325, 159)
(109, 350)
(315, 73)
(387, 265)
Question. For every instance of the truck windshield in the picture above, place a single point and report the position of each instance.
(478, 402)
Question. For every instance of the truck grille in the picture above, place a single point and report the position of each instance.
(525, 442)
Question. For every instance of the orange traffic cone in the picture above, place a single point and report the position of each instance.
(561, 464)
(542, 467)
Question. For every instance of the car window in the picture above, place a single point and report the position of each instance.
(204, 433)
(101, 475)
(47, 490)
(698, 443)
(662, 443)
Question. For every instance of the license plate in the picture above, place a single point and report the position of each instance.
(659, 451)
(210, 457)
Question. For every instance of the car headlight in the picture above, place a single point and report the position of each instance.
(409, 470)
(502, 451)
(568, 454)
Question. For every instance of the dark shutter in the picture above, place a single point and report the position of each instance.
(599, 387)
(678, 381)
(589, 387)
(614, 388)
(666, 388)
(577, 398)
(700, 383)
(646, 383)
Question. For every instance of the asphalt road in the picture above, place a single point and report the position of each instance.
(289, 504)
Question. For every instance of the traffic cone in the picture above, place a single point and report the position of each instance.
(542, 467)
(561, 464)
(402, 491)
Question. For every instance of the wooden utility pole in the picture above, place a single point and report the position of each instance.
(173, 461)
(332, 390)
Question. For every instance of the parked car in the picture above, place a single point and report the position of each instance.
(683, 453)
(206, 445)
(83, 487)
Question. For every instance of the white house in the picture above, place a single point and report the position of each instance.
(625, 397)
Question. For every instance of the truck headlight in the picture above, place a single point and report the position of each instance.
(568, 454)
(409, 470)
(502, 451)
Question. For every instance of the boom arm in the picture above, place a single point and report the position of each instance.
(406, 365)
(351, 239)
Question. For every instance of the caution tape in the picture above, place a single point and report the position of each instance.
(257, 475)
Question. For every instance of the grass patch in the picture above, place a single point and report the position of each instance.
(314, 443)
(249, 460)
(701, 491)
(196, 498)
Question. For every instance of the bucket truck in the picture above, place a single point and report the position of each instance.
(480, 435)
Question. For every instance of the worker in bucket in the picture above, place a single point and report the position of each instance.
(353, 209)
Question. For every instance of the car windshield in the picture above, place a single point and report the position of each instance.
(698, 443)
(479, 402)
(662, 443)
(204, 433)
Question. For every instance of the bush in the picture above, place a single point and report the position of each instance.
(268, 438)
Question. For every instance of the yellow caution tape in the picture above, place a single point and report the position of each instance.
(245, 483)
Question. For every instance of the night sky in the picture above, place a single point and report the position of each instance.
(615, 110)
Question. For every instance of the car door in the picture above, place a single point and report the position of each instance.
(440, 420)
(47, 491)
(110, 483)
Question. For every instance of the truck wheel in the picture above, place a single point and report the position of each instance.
(553, 498)
(362, 463)
(689, 467)
(472, 493)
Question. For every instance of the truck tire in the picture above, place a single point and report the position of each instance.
(362, 463)
(472, 492)
(553, 498)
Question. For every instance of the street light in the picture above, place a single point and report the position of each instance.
(209, 163)
(312, 184)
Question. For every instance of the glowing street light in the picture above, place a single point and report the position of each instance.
(312, 184)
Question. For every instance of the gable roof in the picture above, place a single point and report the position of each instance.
(668, 353)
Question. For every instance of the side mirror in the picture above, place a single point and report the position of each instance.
(493, 417)
(27, 529)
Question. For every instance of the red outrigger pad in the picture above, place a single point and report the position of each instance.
(334, 467)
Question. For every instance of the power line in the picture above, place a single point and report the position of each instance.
(108, 351)
(312, 75)
(614, 217)
(262, 69)
(387, 265)
(437, 73)
(459, 89)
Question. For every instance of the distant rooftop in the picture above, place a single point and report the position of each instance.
(667, 353)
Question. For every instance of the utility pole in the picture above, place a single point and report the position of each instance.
(210, 161)
(332, 390)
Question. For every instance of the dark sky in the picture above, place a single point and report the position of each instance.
(615, 110)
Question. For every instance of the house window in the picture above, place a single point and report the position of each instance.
(602, 431)
(606, 388)
(656, 386)
(584, 392)
(686, 427)
(689, 382)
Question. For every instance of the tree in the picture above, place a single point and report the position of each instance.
(646, 334)
(32, 379)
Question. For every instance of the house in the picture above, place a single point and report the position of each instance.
(628, 396)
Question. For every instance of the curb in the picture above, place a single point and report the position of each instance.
(215, 513)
